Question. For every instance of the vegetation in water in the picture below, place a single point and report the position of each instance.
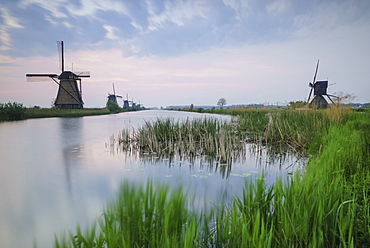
(327, 205)
(191, 138)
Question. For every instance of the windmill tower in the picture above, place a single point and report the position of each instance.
(126, 103)
(69, 94)
(113, 97)
(319, 89)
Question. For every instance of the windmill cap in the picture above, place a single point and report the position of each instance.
(68, 75)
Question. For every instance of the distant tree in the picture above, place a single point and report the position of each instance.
(112, 106)
(191, 106)
(221, 102)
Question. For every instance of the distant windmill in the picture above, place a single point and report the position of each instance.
(320, 90)
(69, 95)
(126, 103)
(113, 97)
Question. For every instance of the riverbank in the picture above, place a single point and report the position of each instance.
(326, 205)
(16, 111)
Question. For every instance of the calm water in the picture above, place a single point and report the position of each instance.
(58, 172)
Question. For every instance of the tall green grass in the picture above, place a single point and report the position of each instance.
(327, 205)
(207, 136)
(290, 128)
(141, 216)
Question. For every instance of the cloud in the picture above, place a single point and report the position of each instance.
(177, 12)
(110, 32)
(8, 21)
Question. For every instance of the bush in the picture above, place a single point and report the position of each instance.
(12, 111)
(113, 107)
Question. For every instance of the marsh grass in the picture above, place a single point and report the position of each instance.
(327, 205)
(190, 138)
(290, 128)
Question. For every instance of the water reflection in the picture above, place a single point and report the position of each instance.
(253, 158)
(57, 172)
(70, 131)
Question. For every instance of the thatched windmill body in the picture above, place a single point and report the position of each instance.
(69, 94)
(319, 89)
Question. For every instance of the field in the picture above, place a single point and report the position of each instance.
(326, 205)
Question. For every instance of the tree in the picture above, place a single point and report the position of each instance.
(112, 106)
(221, 102)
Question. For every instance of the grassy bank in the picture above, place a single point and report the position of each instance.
(46, 113)
(327, 205)
(16, 111)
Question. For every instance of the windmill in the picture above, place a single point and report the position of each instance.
(113, 97)
(69, 94)
(126, 103)
(319, 89)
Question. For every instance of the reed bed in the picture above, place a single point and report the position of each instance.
(326, 206)
(190, 138)
(290, 128)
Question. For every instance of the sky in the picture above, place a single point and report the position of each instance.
(179, 52)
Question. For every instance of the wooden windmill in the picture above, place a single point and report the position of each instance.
(113, 97)
(126, 103)
(319, 89)
(69, 94)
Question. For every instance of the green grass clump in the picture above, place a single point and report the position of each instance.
(290, 128)
(141, 216)
(205, 136)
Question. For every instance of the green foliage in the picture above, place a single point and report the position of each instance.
(12, 111)
(112, 107)
(200, 110)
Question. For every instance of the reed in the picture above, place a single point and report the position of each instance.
(327, 205)
(141, 216)
(292, 128)
(191, 138)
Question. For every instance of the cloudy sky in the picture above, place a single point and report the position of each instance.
(182, 52)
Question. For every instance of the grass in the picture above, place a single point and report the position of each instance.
(46, 113)
(16, 111)
(327, 205)
(206, 136)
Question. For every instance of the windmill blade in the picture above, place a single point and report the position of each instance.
(309, 95)
(114, 91)
(60, 45)
(82, 73)
(40, 77)
(317, 68)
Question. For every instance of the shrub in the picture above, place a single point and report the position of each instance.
(12, 111)
(113, 107)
